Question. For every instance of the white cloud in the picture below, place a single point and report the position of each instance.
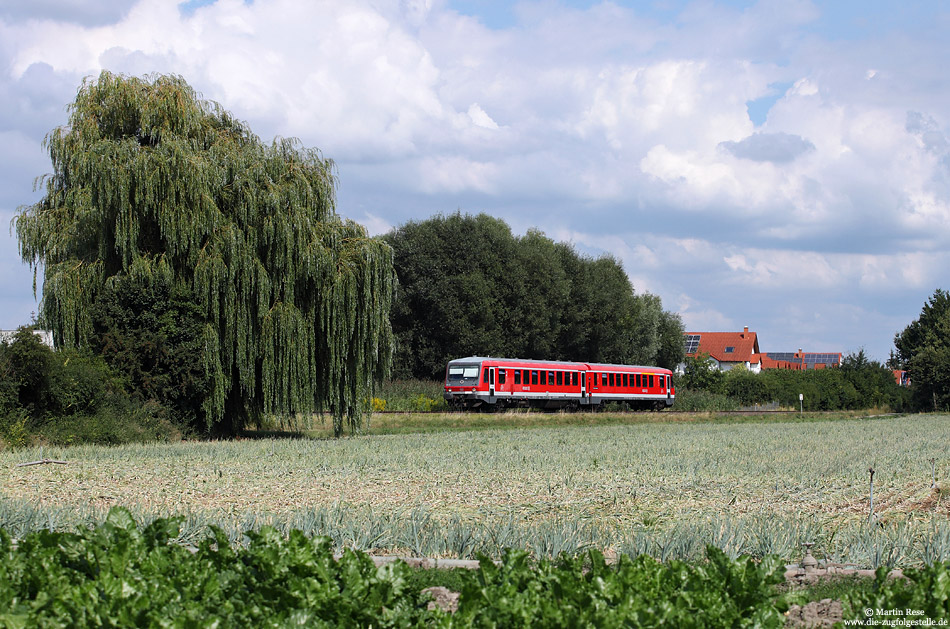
(375, 225)
(480, 118)
(456, 174)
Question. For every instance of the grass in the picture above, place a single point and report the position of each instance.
(463, 484)
(410, 395)
(408, 422)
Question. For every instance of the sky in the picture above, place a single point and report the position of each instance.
(782, 165)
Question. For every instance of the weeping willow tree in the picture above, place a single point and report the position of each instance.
(154, 183)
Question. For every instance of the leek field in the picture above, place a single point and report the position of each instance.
(620, 486)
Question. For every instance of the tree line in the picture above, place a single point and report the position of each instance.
(468, 286)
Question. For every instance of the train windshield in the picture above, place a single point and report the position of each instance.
(458, 373)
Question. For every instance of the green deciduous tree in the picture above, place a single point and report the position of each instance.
(468, 286)
(923, 349)
(700, 374)
(153, 183)
(453, 298)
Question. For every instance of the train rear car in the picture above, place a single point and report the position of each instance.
(638, 387)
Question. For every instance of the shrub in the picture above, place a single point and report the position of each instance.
(113, 425)
(13, 428)
(698, 401)
(412, 395)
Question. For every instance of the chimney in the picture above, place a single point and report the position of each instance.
(745, 331)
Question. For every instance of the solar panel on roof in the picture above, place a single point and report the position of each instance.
(692, 343)
(825, 359)
(786, 356)
(808, 358)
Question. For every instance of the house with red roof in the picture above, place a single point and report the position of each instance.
(727, 349)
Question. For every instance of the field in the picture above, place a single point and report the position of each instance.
(666, 488)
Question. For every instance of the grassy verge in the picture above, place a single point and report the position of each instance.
(416, 422)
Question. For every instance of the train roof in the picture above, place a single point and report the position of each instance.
(479, 359)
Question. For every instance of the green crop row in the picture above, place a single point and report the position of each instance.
(423, 532)
(119, 574)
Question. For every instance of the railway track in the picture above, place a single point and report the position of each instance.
(619, 412)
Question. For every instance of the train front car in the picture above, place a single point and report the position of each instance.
(463, 382)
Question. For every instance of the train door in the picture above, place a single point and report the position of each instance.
(669, 386)
(491, 381)
(583, 387)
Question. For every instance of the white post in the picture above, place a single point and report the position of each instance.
(801, 404)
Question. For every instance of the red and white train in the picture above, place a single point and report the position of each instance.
(493, 383)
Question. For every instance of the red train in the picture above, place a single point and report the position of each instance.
(494, 383)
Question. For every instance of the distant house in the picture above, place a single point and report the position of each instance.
(45, 335)
(901, 377)
(728, 350)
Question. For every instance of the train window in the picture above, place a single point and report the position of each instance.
(626, 383)
(651, 380)
(560, 378)
(551, 378)
(525, 376)
(517, 376)
(534, 377)
(501, 376)
(638, 381)
(485, 375)
(610, 380)
(574, 379)
(457, 373)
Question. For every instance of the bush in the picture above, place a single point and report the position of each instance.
(113, 425)
(27, 364)
(13, 428)
(411, 395)
(698, 401)
(69, 397)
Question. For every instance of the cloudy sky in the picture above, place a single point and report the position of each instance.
(782, 165)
